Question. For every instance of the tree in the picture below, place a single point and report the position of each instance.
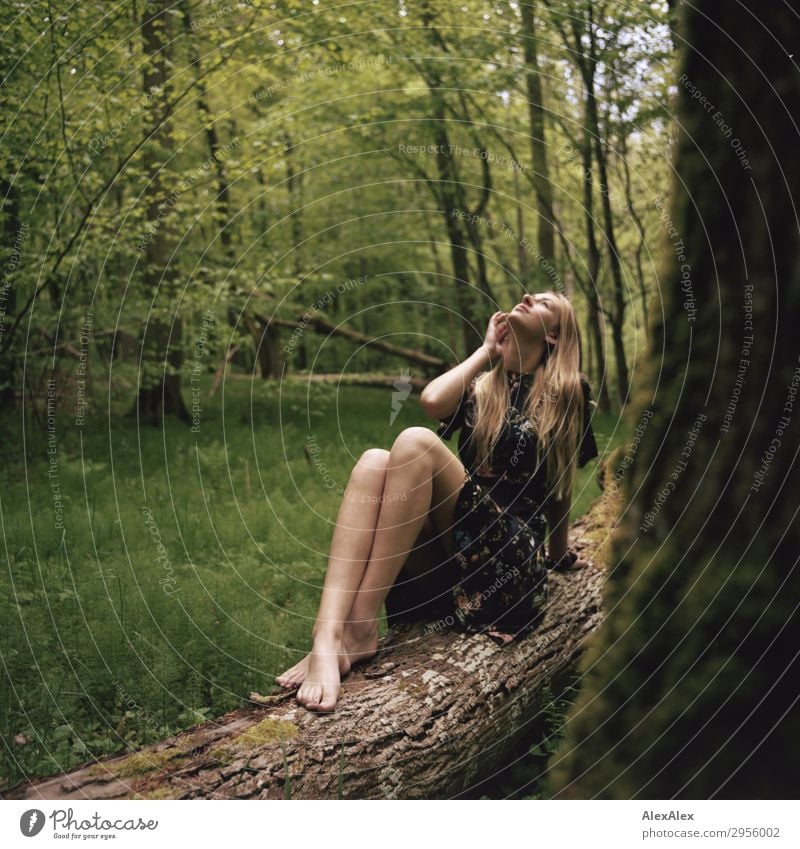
(536, 112)
(162, 354)
(582, 36)
(691, 686)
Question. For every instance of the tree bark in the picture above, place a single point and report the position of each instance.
(580, 24)
(294, 189)
(434, 713)
(451, 212)
(447, 189)
(222, 203)
(268, 351)
(638, 224)
(594, 311)
(11, 257)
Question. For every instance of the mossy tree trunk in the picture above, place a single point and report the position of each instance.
(692, 682)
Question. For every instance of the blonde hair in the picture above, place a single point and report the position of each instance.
(554, 406)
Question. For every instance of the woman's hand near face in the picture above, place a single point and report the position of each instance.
(496, 334)
(440, 397)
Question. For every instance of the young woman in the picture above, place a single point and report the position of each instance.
(469, 530)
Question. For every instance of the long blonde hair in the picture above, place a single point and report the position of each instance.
(554, 406)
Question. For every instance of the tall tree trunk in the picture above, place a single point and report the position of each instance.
(589, 363)
(452, 212)
(446, 189)
(162, 354)
(541, 178)
(638, 223)
(472, 229)
(452, 330)
(594, 311)
(692, 684)
(294, 188)
(13, 233)
(222, 206)
(522, 254)
(617, 311)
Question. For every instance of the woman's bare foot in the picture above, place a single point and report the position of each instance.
(295, 675)
(360, 643)
(320, 688)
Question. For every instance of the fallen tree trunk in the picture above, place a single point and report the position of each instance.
(374, 381)
(319, 323)
(433, 714)
(367, 379)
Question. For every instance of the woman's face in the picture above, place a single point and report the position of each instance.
(536, 317)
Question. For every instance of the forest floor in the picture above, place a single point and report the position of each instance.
(154, 578)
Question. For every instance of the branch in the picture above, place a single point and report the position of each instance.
(319, 323)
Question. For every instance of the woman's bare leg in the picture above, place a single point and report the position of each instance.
(421, 570)
(423, 478)
(349, 551)
(435, 542)
(423, 587)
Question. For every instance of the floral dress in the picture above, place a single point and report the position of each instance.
(500, 587)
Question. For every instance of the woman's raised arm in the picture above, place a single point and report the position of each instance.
(440, 397)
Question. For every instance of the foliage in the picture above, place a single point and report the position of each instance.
(285, 164)
(297, 158)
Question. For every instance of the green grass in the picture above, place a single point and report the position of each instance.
(106, 646)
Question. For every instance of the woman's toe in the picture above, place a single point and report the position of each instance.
(307, 696)
(328, 700)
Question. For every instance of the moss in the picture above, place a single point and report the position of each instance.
(601, 523)
(157, 793)
(267, 731)
(141, 763)
(415, 687)
(221, 755)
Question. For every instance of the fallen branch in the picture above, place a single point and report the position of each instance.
(376, 381)
(318, 322)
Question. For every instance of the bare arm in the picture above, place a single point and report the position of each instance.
(440, 397)
(558, 524)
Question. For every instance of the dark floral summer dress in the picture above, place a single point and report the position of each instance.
(500, 524)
